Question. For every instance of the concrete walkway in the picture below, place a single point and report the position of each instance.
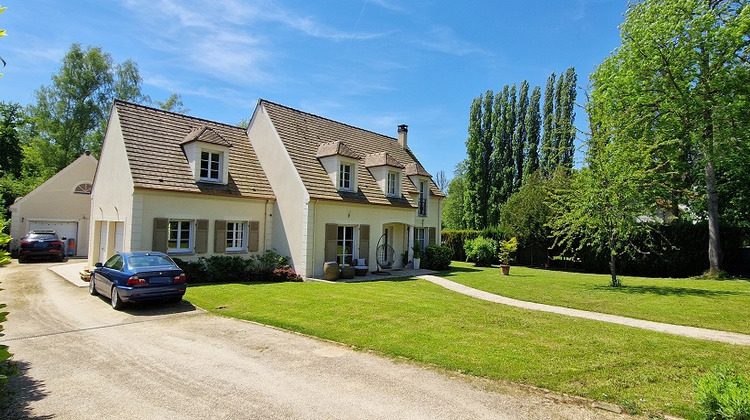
(692, 332)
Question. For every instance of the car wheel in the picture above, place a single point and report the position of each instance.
(115, 300)
(61, 258)
(92, 287)
(21, 260)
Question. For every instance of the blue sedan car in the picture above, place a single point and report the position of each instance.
(136, 277)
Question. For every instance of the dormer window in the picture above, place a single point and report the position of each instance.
(345, 177)
(340, 163)
(207, 153)
(421, 179)
(211, 166)
(387, 173)
(392, 184)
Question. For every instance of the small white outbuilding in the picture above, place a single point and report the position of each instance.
(62, 203)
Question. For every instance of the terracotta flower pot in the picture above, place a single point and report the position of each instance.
(505, 268)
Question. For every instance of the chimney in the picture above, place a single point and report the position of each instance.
(402, 130)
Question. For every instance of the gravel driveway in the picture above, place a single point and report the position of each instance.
(81, 359)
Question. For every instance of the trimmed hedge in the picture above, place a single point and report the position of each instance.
(681, 251)
(437, 257)
(268, 266)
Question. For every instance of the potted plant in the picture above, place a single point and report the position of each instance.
(506, 248)
(417, 248)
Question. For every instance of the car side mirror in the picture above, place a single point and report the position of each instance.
(98, 265)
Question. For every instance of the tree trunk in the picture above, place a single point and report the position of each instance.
(714, 240)
(613, 262)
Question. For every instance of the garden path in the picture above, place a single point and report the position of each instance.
(692, 332)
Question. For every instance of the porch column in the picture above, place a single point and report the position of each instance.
(410, 241)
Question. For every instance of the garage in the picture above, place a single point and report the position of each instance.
(66, 231)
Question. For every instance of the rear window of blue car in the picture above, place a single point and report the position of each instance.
(149, 261)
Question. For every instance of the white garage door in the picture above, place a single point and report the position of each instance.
(66, 230)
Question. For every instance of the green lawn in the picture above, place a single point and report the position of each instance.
(420, 321)
(722, 305)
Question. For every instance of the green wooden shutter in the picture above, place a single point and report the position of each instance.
(364, 242)
(201, 236)
(161, 235)
(253, 240)
(220, 236)
(432, 236)
(332, 236)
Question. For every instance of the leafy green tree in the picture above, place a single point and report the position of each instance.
(70, 114)
(533, 130)
(682, 73)
(526, 214)
(10, 143)
(547, 159)
(605, 205)
(174, 104)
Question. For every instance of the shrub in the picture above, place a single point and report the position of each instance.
(195, 271)
(225, 268)
(263, 265)
(285, 274)
(724, 395)
(481, 250)
(437, 257)
(506, 248)
(455, 240)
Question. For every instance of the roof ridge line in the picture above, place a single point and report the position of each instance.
(261, 100)
(176, 114)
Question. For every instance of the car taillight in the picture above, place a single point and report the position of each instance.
(56, 243)
(25, 243)
(180, 279)
(135, 281)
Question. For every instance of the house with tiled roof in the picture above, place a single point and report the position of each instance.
(341, 191)
(314, 189)
(177, 184)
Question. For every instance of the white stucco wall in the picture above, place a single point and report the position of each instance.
(55, 201)
(173, 205)
(112, 196)
(290, 222)
(353, 214)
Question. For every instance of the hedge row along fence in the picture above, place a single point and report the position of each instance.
(681, 250)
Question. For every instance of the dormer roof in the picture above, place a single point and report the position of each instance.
(416, 169)
(206, 134)
(154, 141)
(336, 148)
(306, 137)
(373, 160)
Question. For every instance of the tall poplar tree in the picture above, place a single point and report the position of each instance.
(546, 162)
(533, 130)
(566, 129)
(519, 134)
(474, 175)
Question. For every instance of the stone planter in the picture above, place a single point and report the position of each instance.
(505, 268)
(416, 262)
(331, 270)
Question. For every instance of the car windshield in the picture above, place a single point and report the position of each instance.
(149, 261)
(42, 237)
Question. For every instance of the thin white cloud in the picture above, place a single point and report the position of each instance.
(443, 39)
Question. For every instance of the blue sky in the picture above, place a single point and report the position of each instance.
(372, 64)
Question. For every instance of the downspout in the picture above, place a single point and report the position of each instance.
(265, 225)
(311, 258)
